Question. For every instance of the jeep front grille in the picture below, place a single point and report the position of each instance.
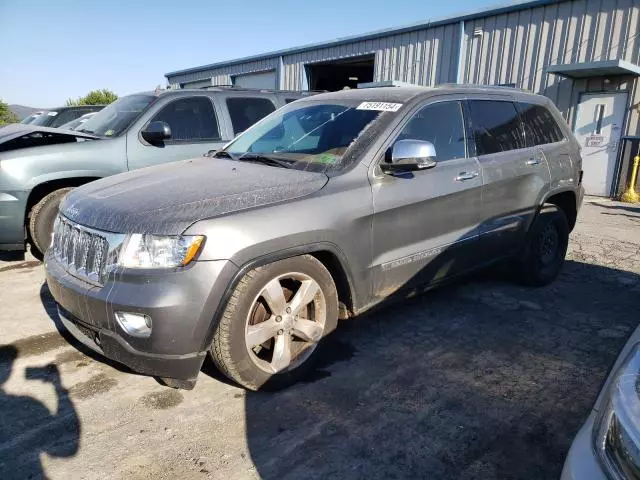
(81, 251)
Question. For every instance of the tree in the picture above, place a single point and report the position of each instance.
(94, 97)
(6, 115)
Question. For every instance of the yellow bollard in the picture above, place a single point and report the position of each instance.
(631, 196)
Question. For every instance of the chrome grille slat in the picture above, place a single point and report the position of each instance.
(82, 252)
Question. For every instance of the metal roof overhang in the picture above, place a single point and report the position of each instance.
(602, 68)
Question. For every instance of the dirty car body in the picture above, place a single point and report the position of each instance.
(333, 180)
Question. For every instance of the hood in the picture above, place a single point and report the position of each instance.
(166, 199)
(18, 135)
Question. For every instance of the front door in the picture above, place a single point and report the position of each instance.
(598, 128)
(425, 222)
(194, 131)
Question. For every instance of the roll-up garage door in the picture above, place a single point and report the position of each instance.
(197, 84)
(256, 80)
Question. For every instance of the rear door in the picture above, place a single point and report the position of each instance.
(194, 131)
(244, 111)
(512, 174)
(545, 137)
(425, 223)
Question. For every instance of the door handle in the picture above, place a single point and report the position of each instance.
(533, 161)
(462, 176)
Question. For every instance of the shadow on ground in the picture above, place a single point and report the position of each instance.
(27, 428)
(484, 379)
(627, 208)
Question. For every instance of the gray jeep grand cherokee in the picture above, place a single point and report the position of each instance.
(322, 210)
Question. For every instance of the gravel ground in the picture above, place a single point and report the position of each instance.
(482, 379)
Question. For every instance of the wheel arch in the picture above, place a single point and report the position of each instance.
(567, 202)
(326, 253)
(43, 189)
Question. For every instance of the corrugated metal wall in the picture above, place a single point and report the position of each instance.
(516, 47)
(509, 48)
(222, 75)
(424, 57)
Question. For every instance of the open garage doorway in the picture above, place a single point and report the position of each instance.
(337, 74)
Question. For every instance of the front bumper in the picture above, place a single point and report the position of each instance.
(12, 210)
(581, 462)
(180, 302)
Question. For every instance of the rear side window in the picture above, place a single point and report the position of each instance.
(191, 119)
(245, 111)
(495, 126)
(441, 124)
(540, 127)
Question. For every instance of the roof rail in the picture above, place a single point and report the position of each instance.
(388, 83)
(510, 87)
(262, 90)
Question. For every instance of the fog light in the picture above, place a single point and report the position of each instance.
(135, 324)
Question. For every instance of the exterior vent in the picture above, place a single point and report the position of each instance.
(478, 32)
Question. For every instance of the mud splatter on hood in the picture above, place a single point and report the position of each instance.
(166, 199)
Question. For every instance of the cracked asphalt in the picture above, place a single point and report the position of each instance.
(480, 379)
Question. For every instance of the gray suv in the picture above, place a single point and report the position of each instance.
(39, 164)
(321, 211)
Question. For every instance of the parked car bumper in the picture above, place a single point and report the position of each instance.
(12, 207)
(581, 462)
(181, 304)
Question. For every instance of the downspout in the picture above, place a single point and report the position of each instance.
(461, 55)
(280, 74)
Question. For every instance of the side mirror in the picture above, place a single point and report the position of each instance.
(409, 156)
(156, 132)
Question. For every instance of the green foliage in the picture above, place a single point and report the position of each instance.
(6, 115)
(94, 97)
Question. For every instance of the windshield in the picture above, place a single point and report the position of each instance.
(29, 119)
(45, 119)
(308, 135)
(114, 119)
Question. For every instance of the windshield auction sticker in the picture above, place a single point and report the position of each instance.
(380, 106)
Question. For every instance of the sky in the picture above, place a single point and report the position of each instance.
(53, 50)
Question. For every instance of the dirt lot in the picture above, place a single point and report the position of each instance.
(483, 379)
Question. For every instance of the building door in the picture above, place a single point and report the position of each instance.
(598, 129)
(256, 81)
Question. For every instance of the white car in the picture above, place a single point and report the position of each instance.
(74, 124)
(608, 444)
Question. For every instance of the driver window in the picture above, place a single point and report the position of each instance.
(191, 119)
(441, 124)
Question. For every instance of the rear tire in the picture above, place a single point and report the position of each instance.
(41, 219)
(276, 322)
(542, 258)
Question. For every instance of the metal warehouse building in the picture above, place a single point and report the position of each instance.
(583, 54)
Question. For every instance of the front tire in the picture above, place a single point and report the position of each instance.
(542, 258)
(41, 219)
(270, 332)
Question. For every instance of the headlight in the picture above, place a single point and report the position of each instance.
(154, 251)
(617, 428)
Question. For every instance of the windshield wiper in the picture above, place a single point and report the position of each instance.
(265, 159)
(85, 130)
(219, 154)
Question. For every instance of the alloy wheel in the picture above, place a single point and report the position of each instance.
(285, 322)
